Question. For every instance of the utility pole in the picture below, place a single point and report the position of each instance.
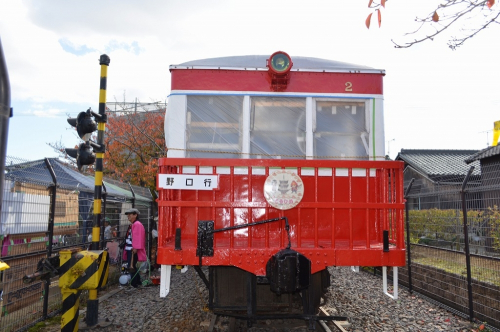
(487, 136)
(389, 146)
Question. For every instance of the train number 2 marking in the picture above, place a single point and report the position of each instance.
(348, 86)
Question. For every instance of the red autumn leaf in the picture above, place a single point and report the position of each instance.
(370, 3)
(368, 19)
(382, 3)
(435, 17)
(379, 18)
(490, 3)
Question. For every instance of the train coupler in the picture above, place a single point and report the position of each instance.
(288, 271)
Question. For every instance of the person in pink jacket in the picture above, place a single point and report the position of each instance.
(135, 245)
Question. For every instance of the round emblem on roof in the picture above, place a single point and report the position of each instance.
(283, 189)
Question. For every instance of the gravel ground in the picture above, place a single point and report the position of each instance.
(355, 295)
(360, 296)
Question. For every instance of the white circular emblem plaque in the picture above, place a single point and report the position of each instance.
(283, 189)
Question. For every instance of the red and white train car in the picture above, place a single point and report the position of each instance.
(276, 171)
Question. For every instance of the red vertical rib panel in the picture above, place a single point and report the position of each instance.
(401, 241)
(333, 210)
(393, 211)
(367, 213)
(351, 238)
(249, 198)
(384, 199)
(231, 211)
(267, 211)
(179, 193)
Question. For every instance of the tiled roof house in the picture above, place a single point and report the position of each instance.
(436, 171)
(489, 160)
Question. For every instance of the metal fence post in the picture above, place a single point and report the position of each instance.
(151, 223)
(466, 240)
(5, 114)
(408, 243)
(133, 194)
(52, 214)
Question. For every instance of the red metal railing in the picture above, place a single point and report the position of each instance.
(345, 208)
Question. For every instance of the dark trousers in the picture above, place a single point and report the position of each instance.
(134, 273)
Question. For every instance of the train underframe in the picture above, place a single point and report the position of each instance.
(285, 293)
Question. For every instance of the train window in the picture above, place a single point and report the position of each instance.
(213, 126)
(278, 128)
(340, 130)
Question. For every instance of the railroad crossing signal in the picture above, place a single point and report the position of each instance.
(85, 126)
(89, 153)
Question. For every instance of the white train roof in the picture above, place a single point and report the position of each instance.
(258, 62)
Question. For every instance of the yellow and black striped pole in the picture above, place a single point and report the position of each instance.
(79, 270)
(70, 310)
(93, 302)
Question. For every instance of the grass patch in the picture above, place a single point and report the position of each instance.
(491, 276)
(56, 320)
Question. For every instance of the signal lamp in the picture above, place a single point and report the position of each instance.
(279, 64)
(84, 155)
(84, 124)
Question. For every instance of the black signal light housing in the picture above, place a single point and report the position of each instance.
(83, 154)
(84, 124)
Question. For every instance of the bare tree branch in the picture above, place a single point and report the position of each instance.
(471, 16)
(459, 42)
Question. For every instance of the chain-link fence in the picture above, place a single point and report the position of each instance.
(453, 252)
(454, 234)
(47, 206)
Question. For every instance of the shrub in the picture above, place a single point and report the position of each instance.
(447, 225)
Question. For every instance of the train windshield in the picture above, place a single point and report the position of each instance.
(278, 128)
(228, 126)
(213, 126)
(340, 130)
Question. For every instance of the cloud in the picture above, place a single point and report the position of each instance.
(69, 47)
(39, 110)
(113, 45)
(131, 48)
(49, 113)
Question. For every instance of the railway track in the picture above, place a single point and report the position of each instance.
(338, 324)
(235, 324)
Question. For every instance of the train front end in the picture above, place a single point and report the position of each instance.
(276, 171)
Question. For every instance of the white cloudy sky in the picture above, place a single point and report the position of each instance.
(435, 98)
